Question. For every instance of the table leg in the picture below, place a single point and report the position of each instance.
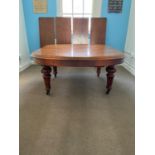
(46, 70)
(110, 76)
(98, 71)
(55, 71)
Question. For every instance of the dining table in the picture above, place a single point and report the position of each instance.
(77, 55)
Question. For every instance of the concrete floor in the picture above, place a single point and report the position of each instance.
(78, 118)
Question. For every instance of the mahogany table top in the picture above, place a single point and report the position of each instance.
(77, 52)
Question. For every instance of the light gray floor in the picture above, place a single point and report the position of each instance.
(78, 118)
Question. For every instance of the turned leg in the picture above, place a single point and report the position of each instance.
(55, 71)
(46, 70)
(98, 71)
(110, 76)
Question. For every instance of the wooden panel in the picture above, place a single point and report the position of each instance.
(77, 63)
(46, 28)
(80, 31)
(63, 30)
(98, 30)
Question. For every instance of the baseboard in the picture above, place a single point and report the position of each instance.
(23, 67)
(33, 62)
(129, 68)
(125, 65)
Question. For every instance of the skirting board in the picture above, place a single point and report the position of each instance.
(125, 65)
(129, 68)
(129, 62)
(23, 67)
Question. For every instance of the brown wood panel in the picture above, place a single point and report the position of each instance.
(77, 63)
(98, 31)
(63, 30)
(80, 31)
(46, 29)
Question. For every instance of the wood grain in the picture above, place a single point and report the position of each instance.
(98, 31)
(110, 76)
(77, 55)
(80, 30)
(46, 71)
(46, 29)
(77, 51)
(63, 30)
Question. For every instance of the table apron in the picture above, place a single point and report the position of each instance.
(78, 63)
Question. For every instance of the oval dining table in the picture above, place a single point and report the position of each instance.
(77, 55)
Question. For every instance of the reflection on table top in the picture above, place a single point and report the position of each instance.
(78, 52)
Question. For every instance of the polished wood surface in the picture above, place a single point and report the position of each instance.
(47, 32)
(110, 76)
(46, 70)
(77, 56)
(63, 30)
(55, 71)
(80, 30)
(98, 31)
(77, 52)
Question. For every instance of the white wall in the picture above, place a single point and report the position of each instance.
(97, 7)
(130, 42)
(23, 44)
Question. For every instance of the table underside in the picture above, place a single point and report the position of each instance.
(47, 70)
